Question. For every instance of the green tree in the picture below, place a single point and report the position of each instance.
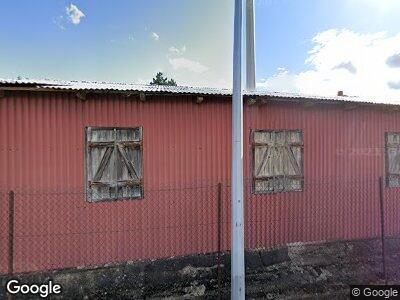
(160, 79)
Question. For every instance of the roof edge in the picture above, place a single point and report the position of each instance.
(107, 87)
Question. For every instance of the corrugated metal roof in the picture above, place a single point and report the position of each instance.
(284, 95)
(127, 87)
(109, 86)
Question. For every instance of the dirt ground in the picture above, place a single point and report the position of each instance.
(323, 270)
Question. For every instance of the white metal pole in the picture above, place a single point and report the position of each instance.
(237, 247)
(250, 47)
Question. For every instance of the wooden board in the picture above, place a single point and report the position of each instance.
(392, 143)
(277, 161)
(114, 167)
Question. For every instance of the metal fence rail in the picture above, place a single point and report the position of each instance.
(47, 230)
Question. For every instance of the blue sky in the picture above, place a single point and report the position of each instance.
(308, 46)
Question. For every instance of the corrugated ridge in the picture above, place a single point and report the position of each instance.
(61, 85)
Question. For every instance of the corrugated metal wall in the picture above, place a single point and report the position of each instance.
(185, 145)
(43, 138)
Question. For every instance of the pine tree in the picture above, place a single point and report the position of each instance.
(160, 79)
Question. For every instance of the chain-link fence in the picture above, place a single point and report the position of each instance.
(47, 230)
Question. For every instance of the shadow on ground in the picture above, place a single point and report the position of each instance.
(321, 270)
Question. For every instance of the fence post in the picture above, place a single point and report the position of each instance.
(219, 236)
(382, 209)
(11, 232)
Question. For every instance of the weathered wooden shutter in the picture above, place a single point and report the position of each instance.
(277, 161)
(114, 163)
(393, 159)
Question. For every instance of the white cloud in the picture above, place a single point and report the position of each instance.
(177, 51)
(182, 63)
(155, 36)
(59, 21)
(393, 60)
(358, 64)
(281, 81)
(174, 50)
(346, 66)
(74, 14)
(394, 85)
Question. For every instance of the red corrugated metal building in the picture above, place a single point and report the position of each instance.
(186, 153)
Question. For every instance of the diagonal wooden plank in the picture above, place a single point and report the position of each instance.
(292, 160)
(127, 162)
(263, 161)
(103, 164)
(394, 166)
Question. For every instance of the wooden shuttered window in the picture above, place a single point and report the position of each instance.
(114, 166)
(277, 161)
(392, 161)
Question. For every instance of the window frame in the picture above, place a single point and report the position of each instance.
(88, 190)
(252, 165)
(386, 157)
